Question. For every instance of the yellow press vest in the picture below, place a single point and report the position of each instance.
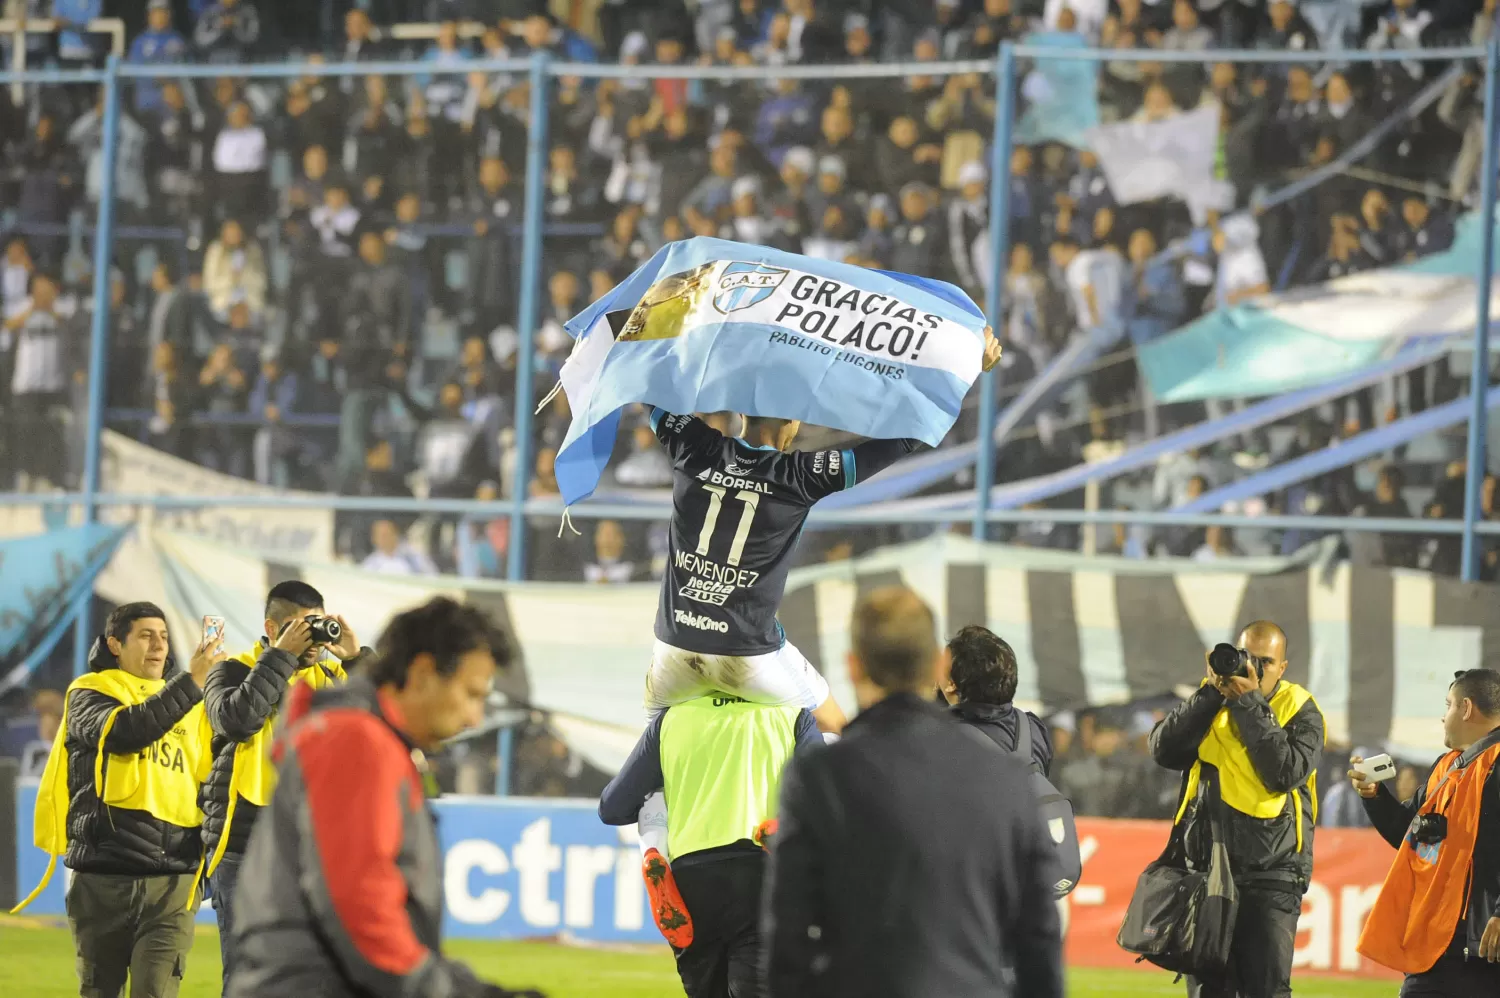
(254, 774)
(721, 763)
(1240, 785)
(162, 779)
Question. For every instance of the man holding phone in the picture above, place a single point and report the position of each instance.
(1250, 742)
(242, 697)
(1447, 838)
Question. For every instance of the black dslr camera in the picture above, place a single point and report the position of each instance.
(1228, 661)
(320, 629)
(324, 630)
(1429, 829)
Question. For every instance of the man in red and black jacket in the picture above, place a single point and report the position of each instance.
(341, 891)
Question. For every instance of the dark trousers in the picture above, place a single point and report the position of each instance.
(226, 876)
(723, 898)
(1260, 962)
(1454, 977)
(138, 928)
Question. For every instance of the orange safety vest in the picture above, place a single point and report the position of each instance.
(1426, 891)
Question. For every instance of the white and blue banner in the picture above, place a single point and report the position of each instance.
(707, 325)
(1146, 160)
(512, 868)
(1086, 630)
(1308, 336)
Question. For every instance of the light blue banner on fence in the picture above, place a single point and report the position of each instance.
(1311, 335)
(1062, 95)
(708, 325)
(44, 575)
(512, 868)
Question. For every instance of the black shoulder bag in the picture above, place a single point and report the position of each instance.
(1183, 919)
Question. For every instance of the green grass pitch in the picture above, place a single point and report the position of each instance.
(36, 961)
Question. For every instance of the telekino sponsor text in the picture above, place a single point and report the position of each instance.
(698, 622)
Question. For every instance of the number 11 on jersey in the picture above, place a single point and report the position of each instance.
(716, 495)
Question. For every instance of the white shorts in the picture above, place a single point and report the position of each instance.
(782, 678)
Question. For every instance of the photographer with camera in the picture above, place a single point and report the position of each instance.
(241, 698)
(1437, 918)
(1249, 743)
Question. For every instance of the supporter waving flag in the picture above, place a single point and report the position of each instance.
(707, 325)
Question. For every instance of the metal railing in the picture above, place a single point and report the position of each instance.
(18, 29)
(541, 69)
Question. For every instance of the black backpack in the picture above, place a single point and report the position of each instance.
(1055, 809)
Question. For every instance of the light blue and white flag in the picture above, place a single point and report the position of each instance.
(45, 574)
(708, 325)
(1062, 94)
(1308, 336)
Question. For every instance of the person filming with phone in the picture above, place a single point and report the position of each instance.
(1437, 918)
(118, 804)
(242, 696)
(1248, 742)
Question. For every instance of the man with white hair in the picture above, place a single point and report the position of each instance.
(788, 209)
(747, 224)
(968, 224)
(1088, 16)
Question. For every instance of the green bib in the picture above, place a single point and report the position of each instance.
(721, 761)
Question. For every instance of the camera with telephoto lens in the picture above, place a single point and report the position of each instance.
(1228, 661)
(321, 630)
(1429, 829)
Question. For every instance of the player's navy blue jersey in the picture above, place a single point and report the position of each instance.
(737, 511)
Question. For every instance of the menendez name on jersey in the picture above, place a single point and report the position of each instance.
(737, 511)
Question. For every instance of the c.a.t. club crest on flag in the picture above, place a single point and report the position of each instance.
(741, 285)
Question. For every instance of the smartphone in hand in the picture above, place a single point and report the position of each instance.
(213, 630)
(1376, 769)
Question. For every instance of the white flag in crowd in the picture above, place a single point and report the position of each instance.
(1173, 158)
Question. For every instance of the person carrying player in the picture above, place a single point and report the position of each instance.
(738, 507)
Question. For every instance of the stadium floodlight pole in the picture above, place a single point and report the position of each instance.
(531, 266)
(1479, 380)
(1005, 119)
(109, 126)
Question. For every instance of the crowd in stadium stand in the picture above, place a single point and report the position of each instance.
(315, 281)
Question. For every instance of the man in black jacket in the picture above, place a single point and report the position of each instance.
(1260, 771)
(1469, 964)
(891, 876)
(981, 687)
(133, 735)
(241, 698)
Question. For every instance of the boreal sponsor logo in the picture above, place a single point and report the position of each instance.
(731, 482)
(742, 285)
(698, 622)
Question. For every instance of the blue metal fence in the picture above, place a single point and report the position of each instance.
(542, 70)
